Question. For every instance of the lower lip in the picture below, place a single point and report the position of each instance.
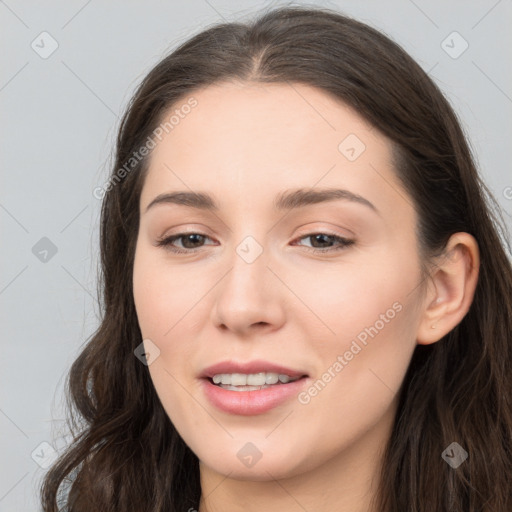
(249, 403)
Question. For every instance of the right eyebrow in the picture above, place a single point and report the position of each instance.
(194, 199)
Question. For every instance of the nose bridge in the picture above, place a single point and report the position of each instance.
(249, 241)
(249, 272)
(248, 293)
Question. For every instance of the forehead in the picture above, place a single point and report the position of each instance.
(253, 139)
(270, 115)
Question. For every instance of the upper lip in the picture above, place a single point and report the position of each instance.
(249, 367)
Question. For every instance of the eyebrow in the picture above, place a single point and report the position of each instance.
(287, 200)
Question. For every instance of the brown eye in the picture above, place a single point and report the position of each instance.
(324, 239)
(190, 242)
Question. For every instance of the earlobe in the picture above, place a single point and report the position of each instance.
(452, 285)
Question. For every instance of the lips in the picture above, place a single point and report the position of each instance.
(248, 402)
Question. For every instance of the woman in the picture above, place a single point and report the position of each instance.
(307, 303)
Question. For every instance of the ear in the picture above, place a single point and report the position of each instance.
(452, 284)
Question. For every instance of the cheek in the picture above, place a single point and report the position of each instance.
(343, 300)
(162, 295)
(162, 299)
(368, 325)
(168, 302)
(366, 362)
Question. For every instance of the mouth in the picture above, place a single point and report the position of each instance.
(252, 381)
(251, 388)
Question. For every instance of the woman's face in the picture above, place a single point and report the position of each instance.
(249, 288)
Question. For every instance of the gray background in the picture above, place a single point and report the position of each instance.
(59, 119)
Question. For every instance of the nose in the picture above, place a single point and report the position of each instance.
(250, 297)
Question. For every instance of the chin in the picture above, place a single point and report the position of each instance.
(260, 472)
(243, 461)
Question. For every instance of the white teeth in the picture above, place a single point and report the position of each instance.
(252, 379)
(255, 379)
(271, 378)
(237, 379)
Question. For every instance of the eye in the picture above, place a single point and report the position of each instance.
(188, 238)
(191, 242)
(323, 238)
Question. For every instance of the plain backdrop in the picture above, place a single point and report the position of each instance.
(67, 71)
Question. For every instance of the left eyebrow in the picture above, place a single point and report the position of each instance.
(287, 200)
(291, 199)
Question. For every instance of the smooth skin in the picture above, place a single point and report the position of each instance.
(244, 144)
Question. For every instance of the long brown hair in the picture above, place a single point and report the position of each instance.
(126, 455)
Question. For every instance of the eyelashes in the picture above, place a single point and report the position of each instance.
(168, 242)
